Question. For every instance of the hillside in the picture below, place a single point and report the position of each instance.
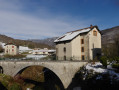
(109, 34)
(107, 37)
(48, 41)
(30, 44)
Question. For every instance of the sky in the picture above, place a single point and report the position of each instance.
(40, 19)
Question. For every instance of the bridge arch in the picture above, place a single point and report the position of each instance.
(65, 70)
(51, 80)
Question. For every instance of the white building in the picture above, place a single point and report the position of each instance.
(24, 49)
(44, 51)
(11, 49)
(40, 52)
(82, 44)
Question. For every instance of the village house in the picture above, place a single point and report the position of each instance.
(82, 44)
(40, 52)
(23, 49)
(44, 51)
(11, 49)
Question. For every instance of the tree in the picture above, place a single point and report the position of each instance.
(1, 49)
(111, 50)
(116, 44)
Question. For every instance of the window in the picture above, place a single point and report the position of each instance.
(94, 33)
(56, 57)
(82, 49)
(56, 50)
(12, 50)
(64, 49)
(83, 57)
(36, 53)
(82, 41)
(64, 57)
(7, 51)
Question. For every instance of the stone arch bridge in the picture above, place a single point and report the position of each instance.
(65, 70)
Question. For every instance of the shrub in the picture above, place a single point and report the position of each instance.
(15, 86)
(14, 56)
(46, 58)
(95, 59)
(103, 60)
(25, 53)
(115, 66)
(116, 59)
(1, 49)
(111, 59)
(53, 57)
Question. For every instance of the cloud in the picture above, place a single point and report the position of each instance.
(16, 23)
(10, 5)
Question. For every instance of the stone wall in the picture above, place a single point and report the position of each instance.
(65, 70)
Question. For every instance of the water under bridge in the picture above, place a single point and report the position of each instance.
(65, 70)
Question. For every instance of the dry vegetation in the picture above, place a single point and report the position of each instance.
(111, 52)
(14, 56)
(18, 42)
(112, 49)
(34, 73)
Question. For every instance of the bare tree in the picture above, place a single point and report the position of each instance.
(1, 49)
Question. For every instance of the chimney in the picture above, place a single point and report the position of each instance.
(91, 26)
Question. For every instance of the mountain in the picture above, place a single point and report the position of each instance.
(109, 34)
(48, 41)
(30, 44)
(107, 37)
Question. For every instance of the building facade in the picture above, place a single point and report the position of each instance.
(40, 52)
(11, 49)
(44, 51)
(83, 44)
(23, 49)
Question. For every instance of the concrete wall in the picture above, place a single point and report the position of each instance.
(65, 70)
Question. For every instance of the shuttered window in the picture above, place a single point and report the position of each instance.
(82, 41)
(82, 49)
(94, 33)
(83, 57)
